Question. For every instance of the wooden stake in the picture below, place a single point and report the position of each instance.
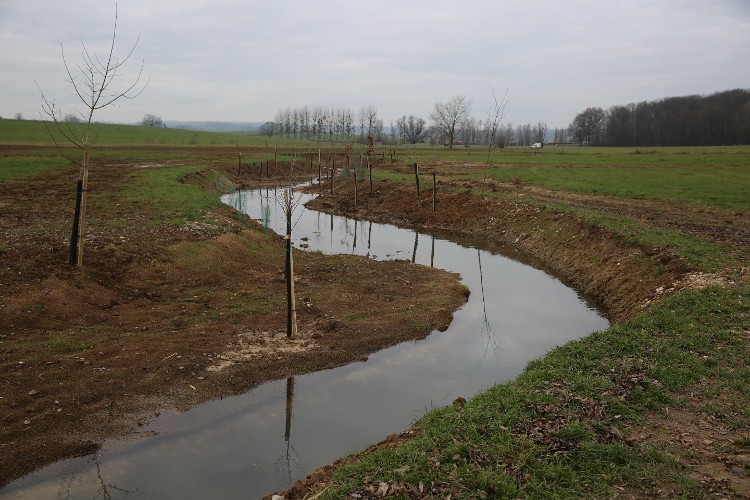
(416, 177)
(291, 327)
(369, 167)
(434, 192)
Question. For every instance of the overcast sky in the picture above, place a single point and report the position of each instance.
(244, 60)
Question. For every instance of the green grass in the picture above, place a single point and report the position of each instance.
(697, 252)
(60, 345)
(19, 167)
(682, 177)
(549, 433)
(174, 202)
(723, 186)
(35, 132)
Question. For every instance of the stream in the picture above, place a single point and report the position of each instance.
(259, 442)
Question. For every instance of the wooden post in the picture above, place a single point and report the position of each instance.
(355, 189)
(434, 192)
(291, 327)
(333, 174)
(416, 177)
(369, 167)
(239, 163)
(84, 201)
(73, 258)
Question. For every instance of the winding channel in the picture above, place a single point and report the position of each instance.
(259, 442)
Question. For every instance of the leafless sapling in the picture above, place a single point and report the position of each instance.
(94, 85)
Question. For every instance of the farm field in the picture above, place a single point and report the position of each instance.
(656, 405)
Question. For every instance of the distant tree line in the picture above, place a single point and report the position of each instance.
(720, 119)
(325, 123)
(329, 123)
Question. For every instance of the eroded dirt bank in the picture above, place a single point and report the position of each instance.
(622, 277)
(168, 316)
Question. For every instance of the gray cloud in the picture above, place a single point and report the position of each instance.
(244, 60)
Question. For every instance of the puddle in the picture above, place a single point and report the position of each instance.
(249, 445)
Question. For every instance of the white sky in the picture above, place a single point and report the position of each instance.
(235, 60)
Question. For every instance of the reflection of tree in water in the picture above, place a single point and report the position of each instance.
(432, 252)
(416, 243)
(486, 327)
(289, 461)
(105, 490)
(369, 238)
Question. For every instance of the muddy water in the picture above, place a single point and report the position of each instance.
(260, 442)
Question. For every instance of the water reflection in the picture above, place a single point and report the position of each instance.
(233, 448)
(416, 243)
(486, 327)
(289, 462)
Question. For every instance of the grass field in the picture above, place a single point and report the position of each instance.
(557, 430)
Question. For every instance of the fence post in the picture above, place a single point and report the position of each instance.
(434, 191)
(76, 222)
(369, 167)
(416, 177)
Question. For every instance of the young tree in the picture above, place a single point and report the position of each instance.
(94, 85)
(494, 116)
(446, 116)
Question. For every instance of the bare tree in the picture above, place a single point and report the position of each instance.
(93, 84)
(411, 129)
(152, 121)
(446, 116)
(587, 126)
(539, 133)
(494, 116)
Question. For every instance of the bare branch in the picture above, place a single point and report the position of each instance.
(93, 87)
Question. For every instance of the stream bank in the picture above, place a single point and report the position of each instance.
(622, 277)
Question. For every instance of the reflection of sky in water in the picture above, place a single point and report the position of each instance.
(235, 447)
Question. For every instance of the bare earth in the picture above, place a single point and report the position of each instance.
(168, 317)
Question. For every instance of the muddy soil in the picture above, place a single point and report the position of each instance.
(163, 316)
